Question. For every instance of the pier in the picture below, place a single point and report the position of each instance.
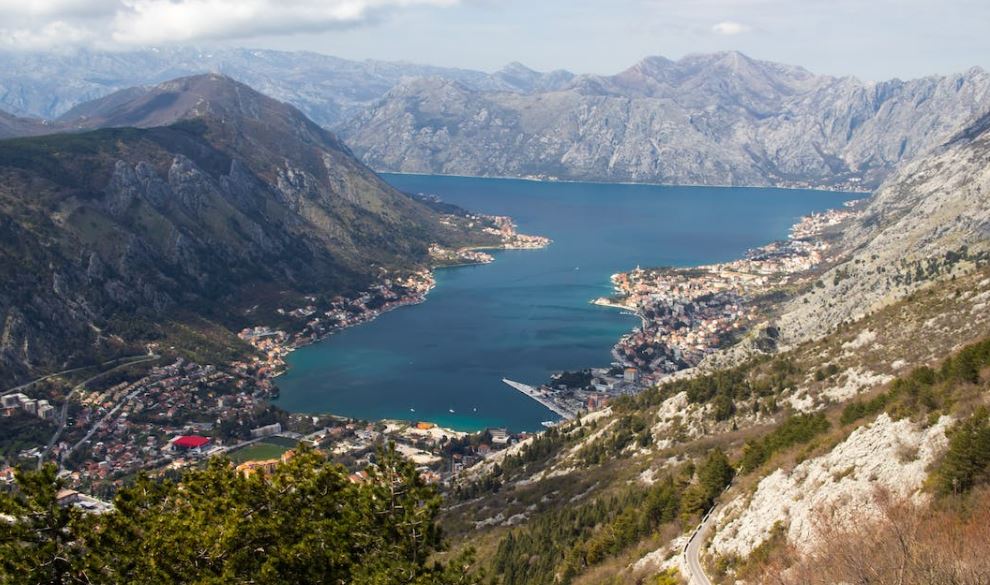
(540, 396)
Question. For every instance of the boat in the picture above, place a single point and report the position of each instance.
(451, 410)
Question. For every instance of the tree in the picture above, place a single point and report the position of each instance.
(967, 461)
(40, 540)
(713, 476)
(305, 523)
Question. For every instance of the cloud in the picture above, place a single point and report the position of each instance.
(730, 28)
(39, 24)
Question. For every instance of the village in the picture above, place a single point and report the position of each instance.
(182, 413)
(689, 313)
(176, 415)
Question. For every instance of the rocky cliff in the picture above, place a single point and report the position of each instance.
(927, 222)
(708, 119)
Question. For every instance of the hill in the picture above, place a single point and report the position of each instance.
(327, 89)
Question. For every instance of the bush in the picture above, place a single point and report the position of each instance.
(304, 523)
(796, 430)
(967, 462)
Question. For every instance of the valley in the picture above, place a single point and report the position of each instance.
(711, 319)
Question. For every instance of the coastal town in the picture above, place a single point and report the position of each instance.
(687, 314)
(180, 413)
(165, 417)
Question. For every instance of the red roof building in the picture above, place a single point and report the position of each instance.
(187, 442)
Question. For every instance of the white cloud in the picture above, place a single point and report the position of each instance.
(37, 24)
(730, 28)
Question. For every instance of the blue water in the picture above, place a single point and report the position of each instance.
(528, 315)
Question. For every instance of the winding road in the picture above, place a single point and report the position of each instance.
(692, 551)
(64, 412)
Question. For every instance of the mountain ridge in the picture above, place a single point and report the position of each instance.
(223, 199)
(705, 119)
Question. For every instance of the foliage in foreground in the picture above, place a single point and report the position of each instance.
(305, 523)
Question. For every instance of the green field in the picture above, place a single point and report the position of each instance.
(259, 451)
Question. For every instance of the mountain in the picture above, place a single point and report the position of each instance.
(930, 216)
(711, 119)
(853, 451)
(196, 198)
(327, 89)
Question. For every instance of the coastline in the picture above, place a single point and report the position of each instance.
(823, 188)
(672, 343)
(278, 352)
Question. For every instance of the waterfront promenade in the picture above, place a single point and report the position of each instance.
(541, 396)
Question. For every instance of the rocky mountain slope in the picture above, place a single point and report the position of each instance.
(875, 403)
(198, 197)
(925, 220)
(711, 119)
(327, 89)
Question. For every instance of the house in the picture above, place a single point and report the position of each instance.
(630, 375)
(499, 436)
(189, 443)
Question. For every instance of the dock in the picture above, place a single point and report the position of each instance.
(540, 396)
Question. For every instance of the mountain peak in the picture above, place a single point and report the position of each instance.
(168, 102)
(516, 67)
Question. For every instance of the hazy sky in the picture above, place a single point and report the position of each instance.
(873, 39)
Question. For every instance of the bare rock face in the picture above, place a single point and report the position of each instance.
(926, 222)
(327, 89)
(835, 489)
(707, 119)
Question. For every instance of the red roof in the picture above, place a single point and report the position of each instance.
(190, 442)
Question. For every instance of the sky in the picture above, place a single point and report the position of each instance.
(872, 39)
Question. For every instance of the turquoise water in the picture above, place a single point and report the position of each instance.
(528, 315)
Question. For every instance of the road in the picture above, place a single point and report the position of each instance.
(63, 415)
(692, 551)
(64, 372)
(42, 379)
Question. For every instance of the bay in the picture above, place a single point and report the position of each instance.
(527, 315)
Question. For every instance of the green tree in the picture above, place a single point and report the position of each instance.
(39, 539)
(713, 476)
(305, 523)
(967, 461)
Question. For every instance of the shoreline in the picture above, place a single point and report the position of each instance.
(279, 363)
(695, 309)
(761, 268)
(631, 183)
